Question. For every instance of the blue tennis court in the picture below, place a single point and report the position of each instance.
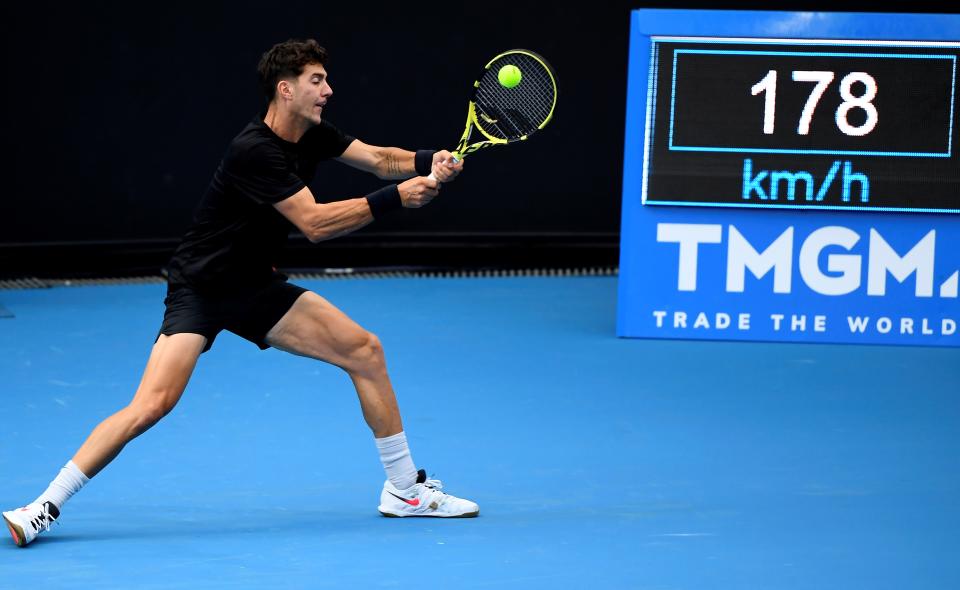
(597, 462)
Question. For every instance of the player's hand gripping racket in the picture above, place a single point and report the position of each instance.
(514, 97)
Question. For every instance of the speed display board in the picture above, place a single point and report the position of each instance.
(792, 178)
(797, 124)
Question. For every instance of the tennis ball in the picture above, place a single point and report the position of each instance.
(509, 76)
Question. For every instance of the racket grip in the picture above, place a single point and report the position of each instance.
(432, 177)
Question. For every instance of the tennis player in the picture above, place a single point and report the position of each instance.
(222, 277)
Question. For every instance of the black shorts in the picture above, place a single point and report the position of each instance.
(249, 313)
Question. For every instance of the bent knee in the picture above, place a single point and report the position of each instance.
(146, 414)
(366, 354)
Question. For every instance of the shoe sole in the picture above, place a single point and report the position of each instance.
(16, 532)
(464, 515)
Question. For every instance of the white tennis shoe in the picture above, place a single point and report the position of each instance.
(31, 520)
(424, 498)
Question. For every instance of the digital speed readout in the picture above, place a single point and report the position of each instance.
(785, 123)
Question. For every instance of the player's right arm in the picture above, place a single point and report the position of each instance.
(389, 163)
(325, 221)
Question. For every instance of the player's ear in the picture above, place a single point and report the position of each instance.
(284, 90)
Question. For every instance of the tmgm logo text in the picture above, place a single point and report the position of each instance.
(843, 273)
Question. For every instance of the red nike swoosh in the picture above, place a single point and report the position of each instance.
(414, 502)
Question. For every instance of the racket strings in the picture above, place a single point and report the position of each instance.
(524, 108)
(511, 113)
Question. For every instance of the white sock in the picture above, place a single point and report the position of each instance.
(395, 456)
(67, 483)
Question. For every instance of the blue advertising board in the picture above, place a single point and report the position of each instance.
(792, 177)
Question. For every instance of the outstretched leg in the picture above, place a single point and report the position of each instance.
(171, 363)
(168, 370)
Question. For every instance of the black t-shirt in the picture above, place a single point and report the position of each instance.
(236, 232)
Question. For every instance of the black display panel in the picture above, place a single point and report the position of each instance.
(802, 124)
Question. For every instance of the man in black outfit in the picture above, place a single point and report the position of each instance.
(222, 276)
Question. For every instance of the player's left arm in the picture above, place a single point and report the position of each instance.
(391, 163)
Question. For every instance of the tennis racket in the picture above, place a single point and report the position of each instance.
(512, 110)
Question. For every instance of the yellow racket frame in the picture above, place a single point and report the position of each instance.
(463, 150)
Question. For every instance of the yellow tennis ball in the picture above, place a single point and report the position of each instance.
(509, 76)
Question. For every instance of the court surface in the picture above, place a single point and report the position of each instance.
(597, 462)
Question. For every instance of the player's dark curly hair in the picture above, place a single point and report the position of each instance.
(287, 60)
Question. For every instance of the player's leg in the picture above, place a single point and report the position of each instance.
(168, 370)
(314, 328)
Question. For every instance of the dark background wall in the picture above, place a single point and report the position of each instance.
(117, 113)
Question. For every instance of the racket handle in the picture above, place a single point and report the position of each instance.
(432, 177)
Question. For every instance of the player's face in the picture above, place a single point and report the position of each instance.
(313, 91)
